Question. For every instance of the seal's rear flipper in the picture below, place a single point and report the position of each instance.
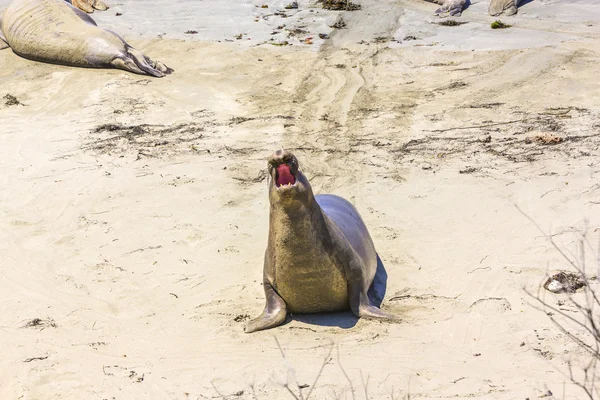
(140, 64)
(83, 5)
(100, 5)
(127, 64)
(361, 306)
(512, 10)
(150, 67)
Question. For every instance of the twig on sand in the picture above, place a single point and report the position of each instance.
(212, 383)
(286, 385)
(478, 126)
(589, 336)
(325, 360)
(345, 374)
(35, 359)
(365, 385)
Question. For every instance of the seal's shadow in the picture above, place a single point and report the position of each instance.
(346, 319)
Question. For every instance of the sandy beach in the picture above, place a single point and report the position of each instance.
(134, 210)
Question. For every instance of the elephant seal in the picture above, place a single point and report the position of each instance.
(319, 257)
(506, 7)
(54, 31)
(449, 8)
(89, 5)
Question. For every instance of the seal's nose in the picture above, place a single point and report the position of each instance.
(280, 157)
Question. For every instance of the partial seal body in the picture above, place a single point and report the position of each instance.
(54, 31)
(89, 5)
(506, 7)
(319, 257)
(449, 8)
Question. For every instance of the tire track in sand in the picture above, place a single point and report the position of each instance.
(327, 94)
(335, 79)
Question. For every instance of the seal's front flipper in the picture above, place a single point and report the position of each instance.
(273, 315)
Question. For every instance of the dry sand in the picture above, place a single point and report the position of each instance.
(134, 212)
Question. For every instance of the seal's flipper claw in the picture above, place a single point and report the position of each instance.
(100, 5)
(273, 315)
(83, 5)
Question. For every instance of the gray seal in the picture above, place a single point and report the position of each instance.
(506, 7)
(319, 257)
(54, 31)
(89, 5)
(449, 8)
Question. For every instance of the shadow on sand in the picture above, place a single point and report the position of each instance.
(346, 319)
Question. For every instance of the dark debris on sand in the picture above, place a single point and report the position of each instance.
(499, 25)
(145, 139)
(41, 324)
(339, 24)
(11, 100)
(340, 5)
(564, 282)
(451, 22)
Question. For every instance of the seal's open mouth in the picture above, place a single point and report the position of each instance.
(284, 175)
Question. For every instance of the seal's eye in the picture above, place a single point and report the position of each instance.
(294, 164)
(284, 175)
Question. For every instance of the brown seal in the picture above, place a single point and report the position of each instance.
(54, 31)
(320, 256)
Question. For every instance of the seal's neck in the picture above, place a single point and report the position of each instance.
(294, 228)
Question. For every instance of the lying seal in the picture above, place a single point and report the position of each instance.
(56, 32)
(319, 257)
(506, 7)
(449, 8)
(89, 5)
